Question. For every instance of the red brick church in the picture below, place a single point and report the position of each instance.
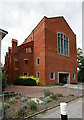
(48, 53)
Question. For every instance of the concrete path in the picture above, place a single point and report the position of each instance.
(74, 110)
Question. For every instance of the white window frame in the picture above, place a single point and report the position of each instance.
(37, 75)
(25, 72)
(63, 44)
(53, 76)
(74, 76)
(37, 61)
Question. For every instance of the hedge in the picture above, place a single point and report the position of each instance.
(25, 82)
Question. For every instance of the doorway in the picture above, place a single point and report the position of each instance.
(64, 77)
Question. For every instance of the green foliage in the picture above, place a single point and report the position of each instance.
(48, 99)
(47, 93)
(80, 58)
(18, 96)
(25, 82)
(21, 112)
(6, 105)
(4, 80)
(80, 65)
(54, 96)
(59, 94)
(29, 77)
(12, 100)
(23, 99)
(32, 105)
(81, 75)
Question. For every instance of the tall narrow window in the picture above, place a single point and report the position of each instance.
(52, 75)
(37, 75)
(38, 61)
(63, 44)
(58, 45)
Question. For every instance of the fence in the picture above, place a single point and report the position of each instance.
(29, 103)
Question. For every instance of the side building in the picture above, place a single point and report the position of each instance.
(48, 53)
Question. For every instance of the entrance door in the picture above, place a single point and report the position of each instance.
(63, 77)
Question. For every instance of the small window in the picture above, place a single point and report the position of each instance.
(52, 75)
(38, 61)
(37, 75)
(26, 61)
(28, 50)
(25, 73)
(73, 76)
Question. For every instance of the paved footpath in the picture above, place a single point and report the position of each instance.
(74, 110)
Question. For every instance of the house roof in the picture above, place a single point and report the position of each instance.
(3, 32)
(47, 20)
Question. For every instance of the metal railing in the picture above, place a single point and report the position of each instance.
(29, 103)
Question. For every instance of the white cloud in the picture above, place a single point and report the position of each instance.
(20, 18)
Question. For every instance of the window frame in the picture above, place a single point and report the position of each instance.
(26, 72)
(66, 38)
(37, 62)
(53, 76)
(39, 75)
(74, 76)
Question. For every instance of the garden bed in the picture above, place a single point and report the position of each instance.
(20, 105)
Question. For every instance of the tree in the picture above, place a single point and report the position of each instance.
(4, 80)
(80, 65)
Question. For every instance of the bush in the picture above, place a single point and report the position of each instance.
(4, 80)
(48, 99)
(18, 96)
(6, 105)
(32, 105)
(30, 77)
(54, 96)
(25, 82)
(21, 112)
(47, 93)
(12, 100)
(59, 95)
(23, 99)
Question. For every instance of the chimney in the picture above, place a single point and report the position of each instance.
(14, 43)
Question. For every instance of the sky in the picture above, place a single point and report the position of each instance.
(19, 18)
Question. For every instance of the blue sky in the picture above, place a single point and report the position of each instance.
(20, 17)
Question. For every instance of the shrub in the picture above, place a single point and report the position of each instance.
(47, 93)
(21, 112)
(12, 100)
(54, 96)
(30, 77)
(18, 96)
(59, 95)
(25, 82)
(6, 105)
(48, 99)
(23, 99)
(4, 80)
(32, 105)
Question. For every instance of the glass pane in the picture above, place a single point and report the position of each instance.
(51, 75)
(59, 34)
(25, 74)
(64, 47)
(58, 45)
(61, 46)
(67, 48)
(37, 74)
